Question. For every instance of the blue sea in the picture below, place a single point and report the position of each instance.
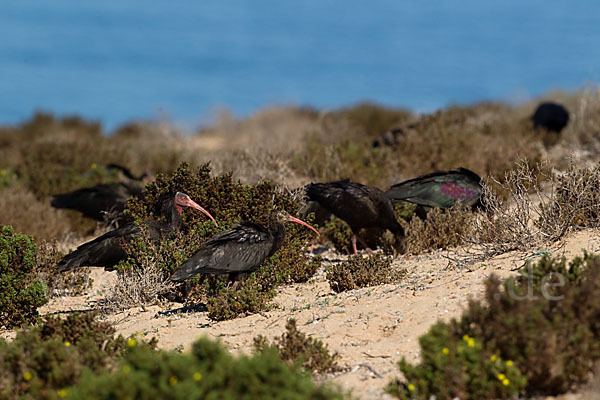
(117, 61)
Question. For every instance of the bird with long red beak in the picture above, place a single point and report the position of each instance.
(240, 250)
(107, 250)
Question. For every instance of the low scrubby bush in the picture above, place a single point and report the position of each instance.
(298, 349)
(456, 368)
(43, 360)
(441, 229)
(20, 292)
(208, 372)
(544, 324)
(71, 283)
(359, 271)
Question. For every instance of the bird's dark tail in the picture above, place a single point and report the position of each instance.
(72, 260)
(92, 254)
(185, 271)
(401, 191)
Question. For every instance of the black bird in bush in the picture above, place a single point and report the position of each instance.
(239, 250)
(107, 250)
(106, 200)
(440, 189)
(358, 205)
(103, 201)
(551, 116)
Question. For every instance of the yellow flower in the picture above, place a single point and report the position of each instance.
(509, 363)
(62, 393)
(466, 338)
(131, 342)
(67, 344)
(197, 376)
(445, 350)
(493, 358)
(411, 387)
(94, 165)
(471, 342)
(126, 369)
(501, 377)
(173, 380)
(27, 376)
(505, 382)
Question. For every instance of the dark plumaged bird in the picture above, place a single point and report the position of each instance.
(440, 189)
(103, 202)
(100, 202)
(550, 116)
(238, 251)
(358, 205)
(107, 250)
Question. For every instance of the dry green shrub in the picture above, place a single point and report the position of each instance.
(440, 230)
(583, 130)
(230, 202)
(207, 372)
(71, 283)
(274, 129)
(359, 271)
(257, 164)
(296, 348)
(574, 202)
(20, 292)
(322, 161)
(536, 214)
(41, 361)
(456, 368)
(371, 119)
(540, 330)
(554, 341)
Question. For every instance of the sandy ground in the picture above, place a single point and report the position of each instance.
(371, 328)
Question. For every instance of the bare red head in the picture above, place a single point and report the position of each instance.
(183, 200)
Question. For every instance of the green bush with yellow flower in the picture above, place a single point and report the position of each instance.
(457, 367)
(536, 334)
(79, 357)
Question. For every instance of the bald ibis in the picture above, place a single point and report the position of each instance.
(551, 116)
(98, 202)
(358, 205)
(239, 250)
(104, 201)
(440, 189)
(107, 250)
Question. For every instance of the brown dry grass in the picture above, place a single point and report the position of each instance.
(25, 213)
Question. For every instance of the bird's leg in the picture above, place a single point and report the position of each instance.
(362, 242)
(238, 278)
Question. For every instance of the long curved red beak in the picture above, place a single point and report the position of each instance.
(187, 202)
(299, 221)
